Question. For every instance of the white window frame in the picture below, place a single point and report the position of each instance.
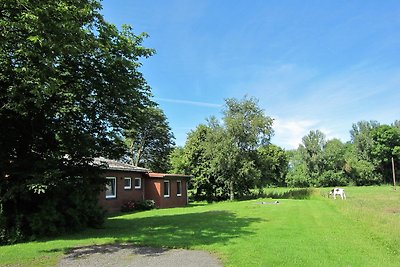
(140, 183)
(168, 187)
(115, 187)
(130, 183)
(179, 188)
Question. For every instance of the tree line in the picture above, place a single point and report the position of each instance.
(232, 157)
(367, 159)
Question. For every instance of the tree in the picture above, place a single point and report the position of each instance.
(150, 143)
(177, 161)
(223, 157)
(311, 151)
(273, 163)
(202, 155)
(247, 128)
(334, 162)
(298, 174)
(361, 138)
(386, 144)
(70, 83)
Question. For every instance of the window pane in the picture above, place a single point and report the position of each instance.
(166, 188)
(127, 183)
(138, 182)
(179, 188)
(110, 187)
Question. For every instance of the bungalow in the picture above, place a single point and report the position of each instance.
(126, 182)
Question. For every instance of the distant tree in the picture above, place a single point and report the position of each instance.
(361, 138)
(273, 163)
(178, 161)
(247, 129)
(202, 161)
(334, 161)
(298, 174)
(311, 151)
(223, 157)
(70, 83)
(150, 143)
(386, 144)
(360, 172)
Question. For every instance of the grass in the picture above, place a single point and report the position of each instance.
(304, 229)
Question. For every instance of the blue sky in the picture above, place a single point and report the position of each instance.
(312, 64)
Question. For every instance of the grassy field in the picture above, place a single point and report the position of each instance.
(309, 231)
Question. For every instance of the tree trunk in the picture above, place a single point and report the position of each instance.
(231, 192)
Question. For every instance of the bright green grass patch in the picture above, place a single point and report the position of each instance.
(362, 231)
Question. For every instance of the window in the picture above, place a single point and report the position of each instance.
(138, 183)
(179, 188)
(166, 188)
(127, 183)
(111, 187)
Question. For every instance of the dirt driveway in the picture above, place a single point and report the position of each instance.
(128, 255)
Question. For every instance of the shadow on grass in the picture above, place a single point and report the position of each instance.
(170, 231)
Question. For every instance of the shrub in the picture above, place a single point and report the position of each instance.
(132, 205)
(128, 206)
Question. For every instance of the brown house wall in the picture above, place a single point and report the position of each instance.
(173, 200)
(123, 195)
(152, 188)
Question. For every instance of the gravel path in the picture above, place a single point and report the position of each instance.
(127, 255)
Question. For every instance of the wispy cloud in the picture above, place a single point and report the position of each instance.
(188, 102)
(289, 133)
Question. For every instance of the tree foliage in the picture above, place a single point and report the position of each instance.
(273, 162)
(223, 156)
(150, 143)
(69, 85)
(366, 160)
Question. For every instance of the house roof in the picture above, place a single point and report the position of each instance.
(119, 166)
(168, 175)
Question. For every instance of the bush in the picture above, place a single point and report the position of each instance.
(69, 206)
(332, 178)
(132, 205)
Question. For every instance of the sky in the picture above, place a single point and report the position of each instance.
(313, 65)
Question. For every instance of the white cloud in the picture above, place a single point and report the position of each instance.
(289, 133)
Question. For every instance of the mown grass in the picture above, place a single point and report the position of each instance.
(309, 231)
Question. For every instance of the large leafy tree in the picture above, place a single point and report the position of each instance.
(361, 138)
(247, 129)
(273, 163)
(386, 145)
(223, 157)
(334, 161)
(206, 156)
(177, 161)
(150, 143)
(311, 151)
(69, 84)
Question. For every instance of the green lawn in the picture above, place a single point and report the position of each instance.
(362, 231)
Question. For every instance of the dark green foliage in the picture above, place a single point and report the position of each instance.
(150, 143)
(366, 160)
(130, 206)
(303, 193)
(223, 158)
(273, 162)
(69, 84)
(386, 140)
